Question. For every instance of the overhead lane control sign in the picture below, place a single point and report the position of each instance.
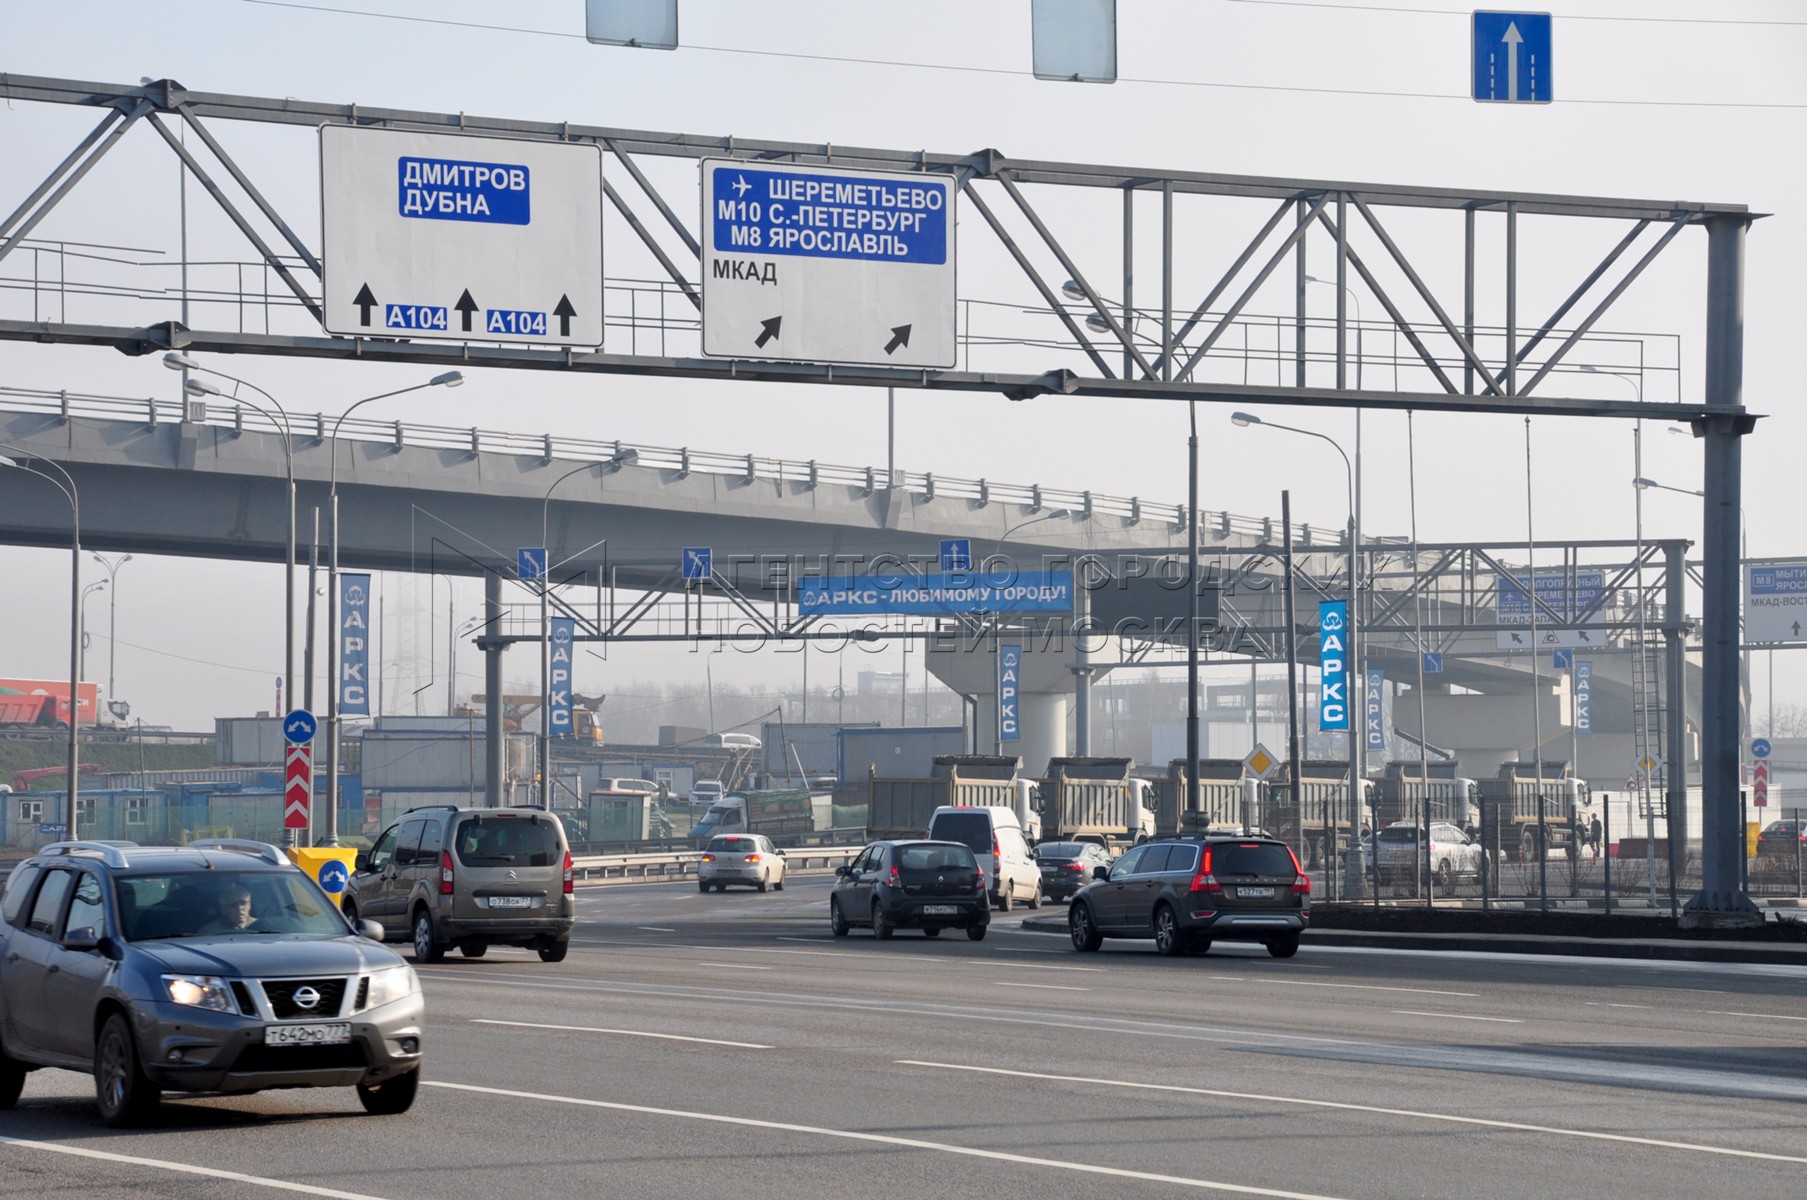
(819, 264)
(459, 238)
(1512, 58)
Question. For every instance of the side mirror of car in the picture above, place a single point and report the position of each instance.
(780, 853)
(361, 862)
(840, 872)
(1101, 872)
(85, 938)
(372, 930)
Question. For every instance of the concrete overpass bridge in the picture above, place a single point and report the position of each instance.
(208, 480)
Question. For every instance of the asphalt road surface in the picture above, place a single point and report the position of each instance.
(703, 1046)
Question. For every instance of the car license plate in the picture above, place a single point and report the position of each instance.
(307, 1035)
(511, 901)
(939, 910)
(1255, 893)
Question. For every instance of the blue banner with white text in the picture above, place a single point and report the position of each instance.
(936, 594)
(1333, 665)
(1376, 710)
(558, 677)
(354, 645)
(1010, 675)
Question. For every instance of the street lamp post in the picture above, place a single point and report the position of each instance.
(112, 615)
(1357, 740)
(447, 379)
(82, 665)
(621, 458)
(998, 705)
(177, 361)
(66, 485)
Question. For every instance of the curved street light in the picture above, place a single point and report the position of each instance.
(447, 379)
(66, 486)
(112, 620)
(1357, 742)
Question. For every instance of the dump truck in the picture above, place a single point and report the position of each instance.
(900, 808)
(775, 812)
(1096, 800)
(1517, 813)
(1404, 793)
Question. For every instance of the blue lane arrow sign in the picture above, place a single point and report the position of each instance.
(299, 727)
(956, 554)
(697, 562)
(1512, 58)
(530, 562)
(1433, 663)
(1760, 748)
(1562, 660)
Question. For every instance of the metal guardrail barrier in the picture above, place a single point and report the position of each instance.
(683, 864)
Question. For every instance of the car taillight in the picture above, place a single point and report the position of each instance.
(708, 858)
(445, 872)
(570, 883)
(1301, 884)
(1203, 882)
(979, 883)
(1075, 866)
(894, 879)
(751, 858)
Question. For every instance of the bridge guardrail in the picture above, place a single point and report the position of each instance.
(683, 864)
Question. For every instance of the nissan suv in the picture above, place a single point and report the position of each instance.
(1187, 892)
(212, 967)
(445, 876)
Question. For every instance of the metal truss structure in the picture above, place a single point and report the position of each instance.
(1067, 337)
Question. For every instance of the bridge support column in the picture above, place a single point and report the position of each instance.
(1047, 688)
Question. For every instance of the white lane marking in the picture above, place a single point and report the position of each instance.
(186, 1169)
(737, 966)
(1045, 987)
(1451, 1118)
(1765, 1016)
(664, 1037)
(1603, 1004)
(787, 938)
(655, 928)
(1030, 950)
(1407, 1012)
(886, 1140)
(1360, 987)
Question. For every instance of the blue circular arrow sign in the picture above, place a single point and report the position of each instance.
(1760, 748)
(333, 877)
(300, 726)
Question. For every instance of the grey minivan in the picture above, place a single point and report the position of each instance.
(471, 878)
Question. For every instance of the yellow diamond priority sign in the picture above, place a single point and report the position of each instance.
(1260, 762)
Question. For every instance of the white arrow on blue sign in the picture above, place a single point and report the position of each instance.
(1433, 663)
(956, 554)
(1512, 53)
(530, 562)
(1562, 660)
(300, 726)
(697, 562)
(1760, 748)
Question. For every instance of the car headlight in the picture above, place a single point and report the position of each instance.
(391, 984)
(201, 991)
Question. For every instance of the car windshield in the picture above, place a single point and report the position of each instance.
(1051, 851)
(223, 903)
(506, 842)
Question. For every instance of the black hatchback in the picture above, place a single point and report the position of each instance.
(929, 886)
(1187, 892)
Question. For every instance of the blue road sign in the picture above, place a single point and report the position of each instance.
(300, 726)
(936, 595)
(1760, 748)
(1433, 663)
(1512, 58)
(530, 562)
(333, 877)
(698, 561)
(1584, 696)
(1562, 660)
(1333, 665)
(956, 554)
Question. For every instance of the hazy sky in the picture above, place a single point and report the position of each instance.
(1655, 99)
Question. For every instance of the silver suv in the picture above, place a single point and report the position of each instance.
(470, 878)
(212, 967)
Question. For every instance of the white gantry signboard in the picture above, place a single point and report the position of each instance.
(818, 264)
(461, 238)
(1775, 601)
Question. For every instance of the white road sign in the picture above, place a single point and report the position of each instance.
(461, 238)
(818, 264)
(1775, 602)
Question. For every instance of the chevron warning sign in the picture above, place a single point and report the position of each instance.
(297, 787)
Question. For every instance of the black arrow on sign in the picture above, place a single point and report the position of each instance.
(467, 306)
(769, 330)
(365, 302)
(564, 312)
(900, 336)
(1797, 629)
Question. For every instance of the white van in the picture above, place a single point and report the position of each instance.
(733, 741)
(1011, 872)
